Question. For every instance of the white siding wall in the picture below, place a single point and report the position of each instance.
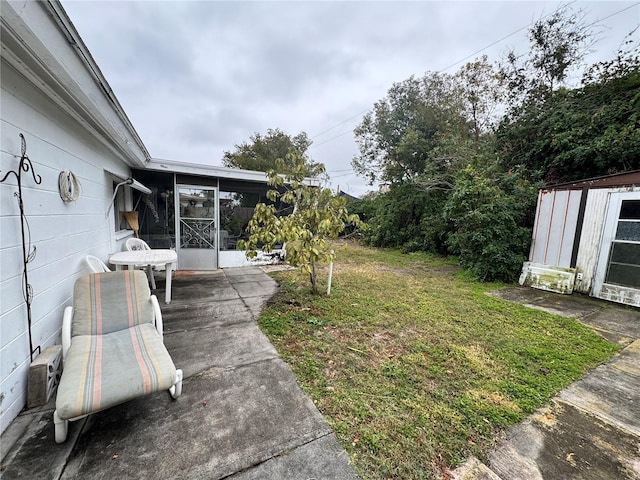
(555, 228)
(62, 233)
(591, 237)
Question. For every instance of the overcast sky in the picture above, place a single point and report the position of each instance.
(196, 78)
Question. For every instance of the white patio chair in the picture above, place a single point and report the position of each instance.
(96, 265)
(138, 244)
(112, 347)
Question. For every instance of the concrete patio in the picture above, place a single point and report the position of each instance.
(591, 429)
(241, 415)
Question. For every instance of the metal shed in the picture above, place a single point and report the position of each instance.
(586, 238)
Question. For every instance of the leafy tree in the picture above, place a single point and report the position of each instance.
(399, 139)
(558, 43)
(461, 182)
(318, 215)
(626, 62)
(416, 139)
(558, 134)
(262, 152)
(580, 133)
(481, 86)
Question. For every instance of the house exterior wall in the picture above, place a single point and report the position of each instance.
(53, 93)
(61, 233)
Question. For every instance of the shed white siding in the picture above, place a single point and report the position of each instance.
(591, 238)
(555, 227)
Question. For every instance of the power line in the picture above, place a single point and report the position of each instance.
(504, 38)
(462, 60)
(343, 175)
(351, 172)
(444, 69)
(332, 138)
(483, 49)
(341, 123)
(613, 14)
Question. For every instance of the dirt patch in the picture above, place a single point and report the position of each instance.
(281, 267)
(413, 270)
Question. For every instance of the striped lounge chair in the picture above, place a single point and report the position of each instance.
(112, 347)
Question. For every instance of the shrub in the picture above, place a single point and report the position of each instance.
(490, 215)
(407, 217)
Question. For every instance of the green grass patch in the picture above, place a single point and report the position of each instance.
(413, 365)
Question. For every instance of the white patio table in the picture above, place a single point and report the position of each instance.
(156, 256)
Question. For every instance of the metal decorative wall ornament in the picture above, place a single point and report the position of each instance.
(28, 251)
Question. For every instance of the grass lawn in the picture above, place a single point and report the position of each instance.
(413, 365)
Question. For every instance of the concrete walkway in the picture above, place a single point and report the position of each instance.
(591, 430)
(241, 415)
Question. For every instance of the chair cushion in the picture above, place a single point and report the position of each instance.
(111, 301)
(101, 371)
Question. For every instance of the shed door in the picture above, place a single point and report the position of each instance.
(618, 273)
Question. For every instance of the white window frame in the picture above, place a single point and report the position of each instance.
(123, 201)
(616, 293)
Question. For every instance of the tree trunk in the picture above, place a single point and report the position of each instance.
(314, 277)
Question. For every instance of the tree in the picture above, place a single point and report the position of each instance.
(317, 216)
(406, 216)
(626, 62)
(459, 181)
(558, 43)
(416, 139)
(482, 88)
(559, 134)
(580, 133)
(262, 152)
(399, 139)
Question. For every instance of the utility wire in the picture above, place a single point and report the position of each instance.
(462, 60)
(504, 38)
(337, 136)
(444, 69)
(343, 175)
(341, 123)
(613, 14)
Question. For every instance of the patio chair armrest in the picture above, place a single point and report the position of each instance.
(157, 316)
(66, 330)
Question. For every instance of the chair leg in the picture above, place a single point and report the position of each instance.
(176, 389)
(61, 428)
(152, 280)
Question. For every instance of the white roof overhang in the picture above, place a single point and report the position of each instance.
(40, 42)
(172, 166)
